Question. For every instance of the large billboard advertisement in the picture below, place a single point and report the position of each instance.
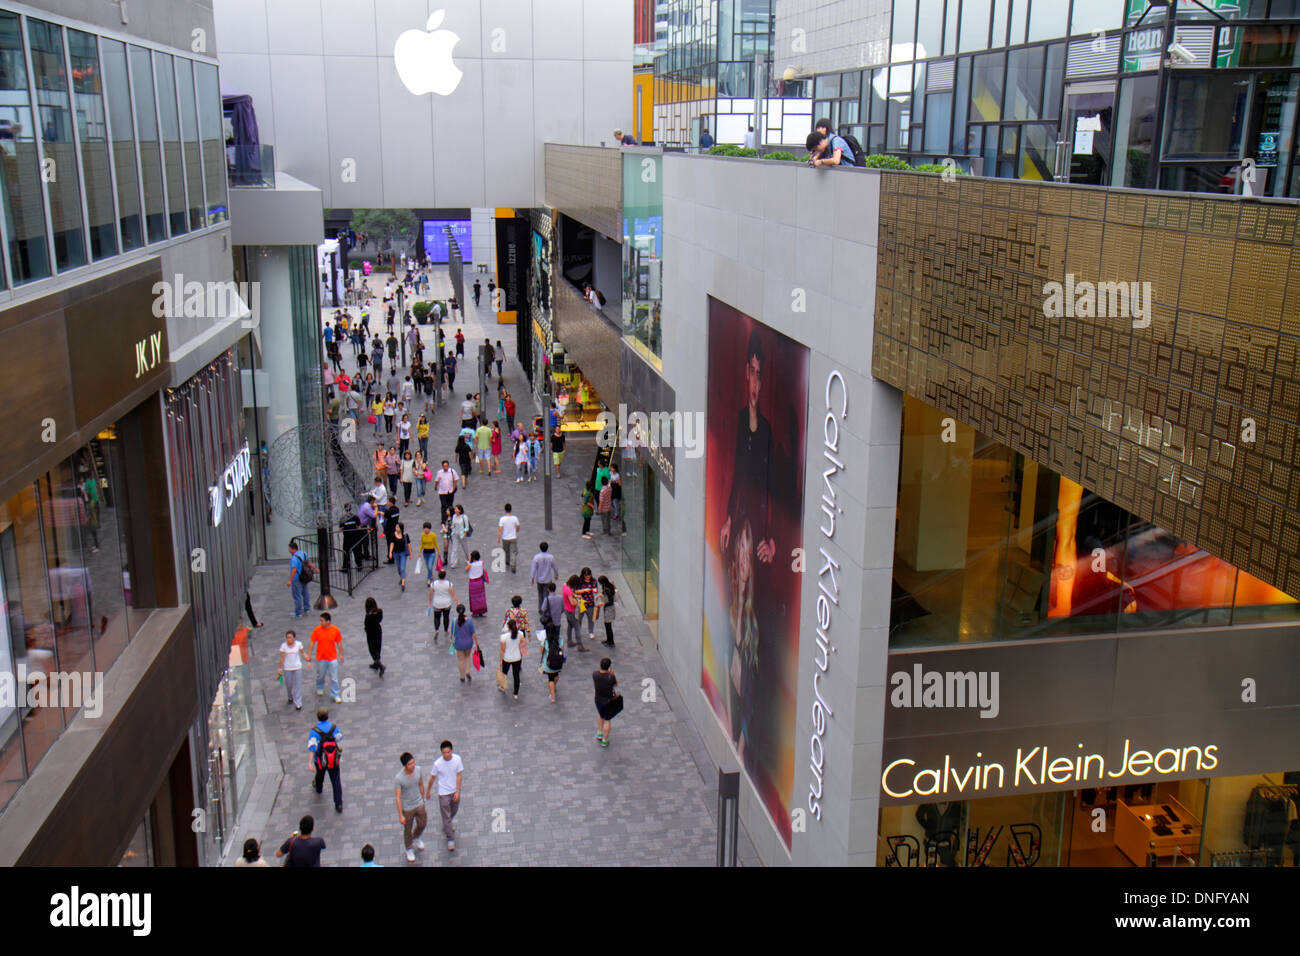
(753, 522)
(436, 245)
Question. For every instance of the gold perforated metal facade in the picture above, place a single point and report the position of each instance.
(1188, 416)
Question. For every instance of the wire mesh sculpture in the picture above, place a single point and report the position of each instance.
(317, 472)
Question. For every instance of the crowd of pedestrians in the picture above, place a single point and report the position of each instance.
(400, 409)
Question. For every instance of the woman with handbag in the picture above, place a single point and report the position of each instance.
(609, 702)
(463, 643)
(513, 641)
(422, 477)
(608, 595)
(587, 591)
(478, 581)
(422, 431)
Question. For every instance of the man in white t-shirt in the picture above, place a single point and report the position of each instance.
(447, 771)
(508, 537)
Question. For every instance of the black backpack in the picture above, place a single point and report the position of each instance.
(554, 654)
(327, 751)
(305, 574)
(859, 154)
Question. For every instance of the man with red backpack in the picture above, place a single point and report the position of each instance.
(323, 743)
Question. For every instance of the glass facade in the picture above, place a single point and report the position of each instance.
(1224, 821)
(103, 146)
(66, 567)
(643, 247)
(707, 75)
(992, 546)
(1053, 89)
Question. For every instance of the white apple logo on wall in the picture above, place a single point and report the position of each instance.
(424, 61)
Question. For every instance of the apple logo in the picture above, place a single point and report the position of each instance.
(424, 60)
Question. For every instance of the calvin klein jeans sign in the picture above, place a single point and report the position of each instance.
(827, 583)
(232, 483)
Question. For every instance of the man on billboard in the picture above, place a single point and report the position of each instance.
(746, 540)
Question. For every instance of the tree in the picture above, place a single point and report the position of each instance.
(385, 226)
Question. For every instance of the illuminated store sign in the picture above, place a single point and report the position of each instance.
(1039, 766)
(233, 481)
(827, 582)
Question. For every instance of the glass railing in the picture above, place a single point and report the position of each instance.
(251, 166)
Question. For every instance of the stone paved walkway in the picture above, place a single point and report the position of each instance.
(538, 789)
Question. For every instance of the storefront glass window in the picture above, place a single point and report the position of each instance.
(938, 118)
(1135, 131)
(1024, 84)
(904, 24)
(1057, 828)
(30, 628)
(643, 208)
(101, 484)
(29, 256)
(1047, 20)
(1252, 821)
(140, 851)
(88, 103)
(1206, 116)
(146, 128)
(117, 85)
(66, 516)
(242, 758)
(986, 88)
(993, 546)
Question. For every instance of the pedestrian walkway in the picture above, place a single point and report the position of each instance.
(538, 788)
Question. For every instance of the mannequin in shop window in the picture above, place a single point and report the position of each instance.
(942, 825)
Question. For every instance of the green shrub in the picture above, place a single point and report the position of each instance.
(730, 149)
(939, 168)
(420, 310)
(881, 161)
(782, 156)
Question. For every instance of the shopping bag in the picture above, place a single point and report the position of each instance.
(614, 707)
(418, 570)
(477, 658)
(501, 679)
(373, 418)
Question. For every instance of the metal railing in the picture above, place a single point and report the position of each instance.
(354, 555)
(250, 166)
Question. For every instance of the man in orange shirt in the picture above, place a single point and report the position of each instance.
(327, 649)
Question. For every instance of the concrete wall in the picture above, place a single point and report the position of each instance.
(819, 36)
(751, 233)
(326, 89)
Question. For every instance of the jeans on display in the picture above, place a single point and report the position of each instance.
(328, 669)
(424, 449)
(401, 557)
(430, 564)
(301, 600)
(419, 486)
(589, 616)
(572, 620)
